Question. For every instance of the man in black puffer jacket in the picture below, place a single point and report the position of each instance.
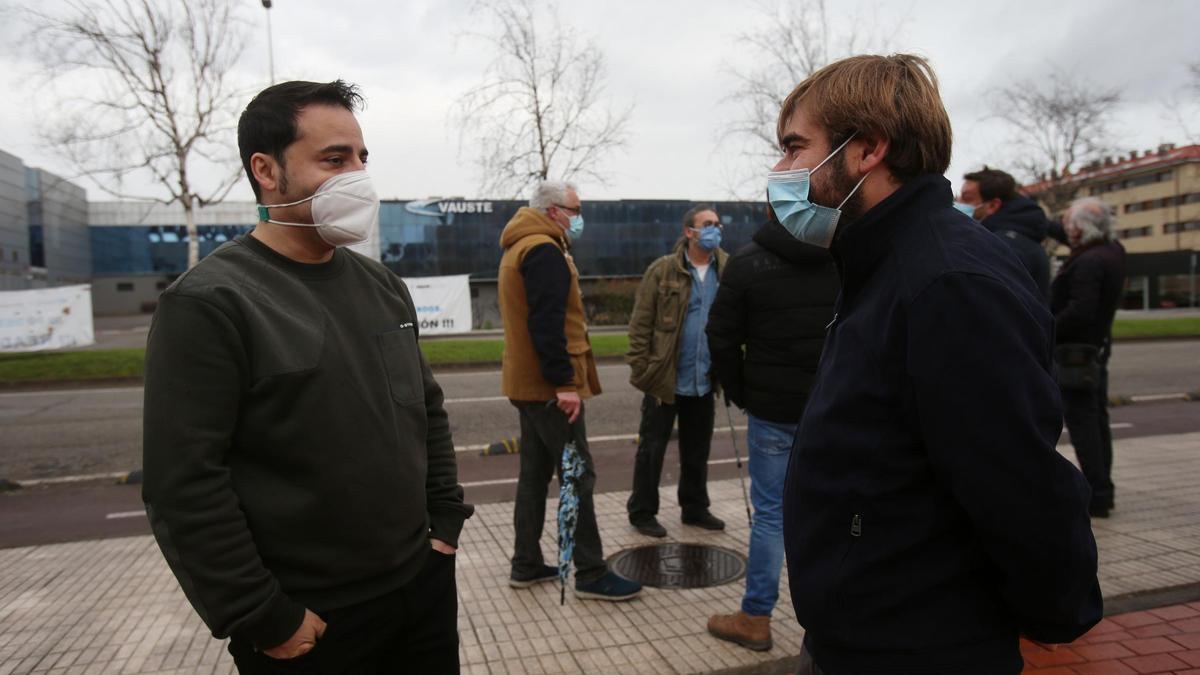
(1086, 293)
(775, 299)
(1016, 219)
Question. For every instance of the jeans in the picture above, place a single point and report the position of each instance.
(413, 629)
(544, 432)
(696, 415)
(770, 446)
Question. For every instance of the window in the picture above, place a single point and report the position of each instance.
(1135, 232)
(1188, 226)
(124, 287)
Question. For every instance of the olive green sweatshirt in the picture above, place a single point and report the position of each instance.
(296, 449)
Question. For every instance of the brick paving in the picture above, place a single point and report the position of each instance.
(1161, 640)
(112, 606)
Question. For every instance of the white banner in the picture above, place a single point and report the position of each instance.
(46, 318)
(443, 303)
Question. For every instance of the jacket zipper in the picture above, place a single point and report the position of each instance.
(856, 526)
(830, 324)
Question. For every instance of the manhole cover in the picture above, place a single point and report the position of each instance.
(679, 565)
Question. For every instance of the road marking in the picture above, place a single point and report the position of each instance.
(67, 392)
(1146, 398)
(124, 514)
(478, 399)
(1121, 425)
(75, 479)
(511, 481)
(591, 439)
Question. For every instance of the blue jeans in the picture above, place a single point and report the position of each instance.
(770, 445)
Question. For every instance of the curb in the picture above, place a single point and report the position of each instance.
(121, 478)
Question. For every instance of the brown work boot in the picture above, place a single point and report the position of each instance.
(751, 632)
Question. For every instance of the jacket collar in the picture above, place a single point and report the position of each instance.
(775, 238)
(859, 245)
(684, 266)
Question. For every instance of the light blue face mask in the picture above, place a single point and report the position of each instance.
(576, 227)
(966, 209)
(787, 191)
(710, 237)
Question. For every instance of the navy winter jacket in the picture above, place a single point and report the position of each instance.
(928, 519)
(1022, 224)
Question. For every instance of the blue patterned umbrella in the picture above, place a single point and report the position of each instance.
(568, 512)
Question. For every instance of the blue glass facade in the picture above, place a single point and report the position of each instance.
(621, 238)
(438, 237)
(158, 249)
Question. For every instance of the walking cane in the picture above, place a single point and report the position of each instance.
(738, 457)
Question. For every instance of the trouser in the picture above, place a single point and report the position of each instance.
(1087, 421)
(695, 441)
(544, 433)
(413, 629)
(806, 665)
(770, 446)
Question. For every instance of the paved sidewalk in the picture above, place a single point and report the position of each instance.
(113, 607)
(1163, 640)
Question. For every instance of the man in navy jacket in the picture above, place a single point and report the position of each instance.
(929, 521)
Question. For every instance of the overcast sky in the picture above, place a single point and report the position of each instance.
(671, 60)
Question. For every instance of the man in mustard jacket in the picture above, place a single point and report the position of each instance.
(669, 361)
(548, 371)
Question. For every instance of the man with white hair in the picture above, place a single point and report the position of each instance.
(548, 371)
(1084, 301)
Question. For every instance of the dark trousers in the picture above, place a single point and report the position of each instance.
(544, 433)
(1086, 413)
(413, 629)
(695, 441)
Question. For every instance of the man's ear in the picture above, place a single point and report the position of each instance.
(266, 171)
(867, 153)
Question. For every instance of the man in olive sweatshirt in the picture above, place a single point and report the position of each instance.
(299, 472)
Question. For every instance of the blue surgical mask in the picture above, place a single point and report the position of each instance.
(967, 209)
(576, 227)
(787, 191)
(710, 237)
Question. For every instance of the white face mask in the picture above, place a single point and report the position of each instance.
(345, 209)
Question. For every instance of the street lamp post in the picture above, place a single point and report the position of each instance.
(270, 47)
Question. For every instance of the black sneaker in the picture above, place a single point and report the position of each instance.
(608, 587)
(548, 573)
(1099, 510)
(650, 528)
(705, 520)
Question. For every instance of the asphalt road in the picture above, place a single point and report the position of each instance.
(88, 431)
(74, 512)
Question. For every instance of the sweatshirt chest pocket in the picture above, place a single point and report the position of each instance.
(402, 363)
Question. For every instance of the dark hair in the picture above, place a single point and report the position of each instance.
(993, 183)
(690, 216)
(268, 125)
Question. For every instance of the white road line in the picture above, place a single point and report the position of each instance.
(75, 479)
(591, 439)
(512, 481)
(66, 392)
(1121, 425)
(124, 514)
(478, 399)
(1145, 398)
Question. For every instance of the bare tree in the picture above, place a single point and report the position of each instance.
(1183, 107)
(150, 93)
(795, 39)
(539, 111)
(1059, 124)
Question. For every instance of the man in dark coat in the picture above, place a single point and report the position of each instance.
(1084, 301)
(1017, 219)
(929, 520)
(775, 299)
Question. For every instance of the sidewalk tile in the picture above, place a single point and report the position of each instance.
(1103, 651)
(1044, 658)
(1104, 668)
(1155, 663)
